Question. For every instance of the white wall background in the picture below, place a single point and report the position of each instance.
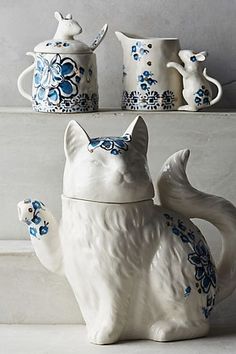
(201, 24)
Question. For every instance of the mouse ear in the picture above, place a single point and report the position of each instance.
(139, 134)
(58, 16)
(75, 139)
(68, 17)
(201, 56)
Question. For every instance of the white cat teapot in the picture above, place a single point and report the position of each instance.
(65, 71)
(138, 270)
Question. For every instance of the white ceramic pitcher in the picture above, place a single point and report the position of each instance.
(147, 83)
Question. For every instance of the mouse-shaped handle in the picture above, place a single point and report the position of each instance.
(197, 90)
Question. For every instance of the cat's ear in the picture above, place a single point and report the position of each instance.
(139, 134)
(75, 138)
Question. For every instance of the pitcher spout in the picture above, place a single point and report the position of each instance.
(121, 36)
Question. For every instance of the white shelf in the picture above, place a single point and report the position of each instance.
(118, 111)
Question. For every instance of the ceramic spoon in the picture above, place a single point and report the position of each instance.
(99, 38)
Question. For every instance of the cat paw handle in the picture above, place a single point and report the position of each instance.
(22, 77)
(43, 231)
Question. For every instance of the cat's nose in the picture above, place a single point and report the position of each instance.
(118, 178)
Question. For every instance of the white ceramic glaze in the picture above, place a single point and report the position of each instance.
(197, 90)
(147, 83)
(138, 270)
(65, 71)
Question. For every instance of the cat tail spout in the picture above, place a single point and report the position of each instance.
(44, 233)
(176, 193)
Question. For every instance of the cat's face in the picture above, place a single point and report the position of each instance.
(109, 169)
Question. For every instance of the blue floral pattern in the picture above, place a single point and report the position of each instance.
(115, 145)
(206, 310)
(145, 80)
(204, 268)
(139, 49)
(37, 226)
(187, 291)
(168, 99)
(149, 100)
(200, 258)
(53, 79)
(81, 103)
(57, 44)
(56, 86)
(193, 58)
(202, 97)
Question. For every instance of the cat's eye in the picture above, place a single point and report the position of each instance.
(97, 162)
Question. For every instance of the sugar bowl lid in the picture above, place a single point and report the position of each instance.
(63, 40)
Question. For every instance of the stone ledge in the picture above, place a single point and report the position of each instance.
(16, 248)
(72, 339)
(106, 111)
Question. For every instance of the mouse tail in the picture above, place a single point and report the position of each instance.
(218, 85)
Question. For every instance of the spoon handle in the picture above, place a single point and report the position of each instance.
(100, 36)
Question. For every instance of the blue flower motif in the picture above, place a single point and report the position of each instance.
(200, 93)
(187, 291)
(206, 310)
(135, 100)
(204, 268)
(202, 97)
(114, 152)
(151, 100)
(193, 58)
(81, 70)
(206, 100)
(36, 204)
(144, 86)
(181, 225)
(113, 144)
(36, 219)
(146, 81)
(43, 230)
(200, 258)
(33, 231)
(168, 99)
(53, 79)
(146, 73)
(175, 231)
(184, 237)
(140, 78)
(138, 50)
(198, 100)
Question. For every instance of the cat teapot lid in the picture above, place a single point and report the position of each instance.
(63, 40)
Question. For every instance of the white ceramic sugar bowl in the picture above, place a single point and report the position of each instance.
(65, 71)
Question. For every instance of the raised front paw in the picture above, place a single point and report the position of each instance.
(106, 333)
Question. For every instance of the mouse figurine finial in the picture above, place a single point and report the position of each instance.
(197, 90)
(67, 27)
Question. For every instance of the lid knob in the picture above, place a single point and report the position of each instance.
(67, 27)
